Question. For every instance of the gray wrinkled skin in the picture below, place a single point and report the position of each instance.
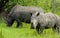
(21, 14)
(41, 21)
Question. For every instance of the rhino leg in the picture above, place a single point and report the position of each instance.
(54, 28)
(32, 27)
(19, 23)
(41, 30)
(37, 30)
(58, 29)
(38, 27)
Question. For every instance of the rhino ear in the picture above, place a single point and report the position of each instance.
(31, 14)
(38, 14)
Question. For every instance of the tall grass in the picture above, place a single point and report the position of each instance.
(25, 32)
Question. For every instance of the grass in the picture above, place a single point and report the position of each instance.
(25, 32)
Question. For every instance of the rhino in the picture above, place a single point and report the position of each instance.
(21, 14)
(41, 21)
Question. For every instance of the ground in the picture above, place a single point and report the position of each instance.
(25, 32)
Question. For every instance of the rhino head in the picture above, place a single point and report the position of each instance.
(34, 20)
(7, 20)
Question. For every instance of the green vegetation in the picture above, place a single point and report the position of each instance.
(47, 5)
(25, 32)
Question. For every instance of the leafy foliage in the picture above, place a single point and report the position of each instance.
(47, 5)
(26, 32)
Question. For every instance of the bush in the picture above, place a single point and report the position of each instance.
(47, 5)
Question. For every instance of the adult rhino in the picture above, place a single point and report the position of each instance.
(41, 21)
(21, 14)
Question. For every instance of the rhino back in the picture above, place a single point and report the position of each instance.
(28, 9)
(47, 20)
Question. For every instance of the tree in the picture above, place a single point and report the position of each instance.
(2, 4)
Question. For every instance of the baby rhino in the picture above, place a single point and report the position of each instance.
(41, 21)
